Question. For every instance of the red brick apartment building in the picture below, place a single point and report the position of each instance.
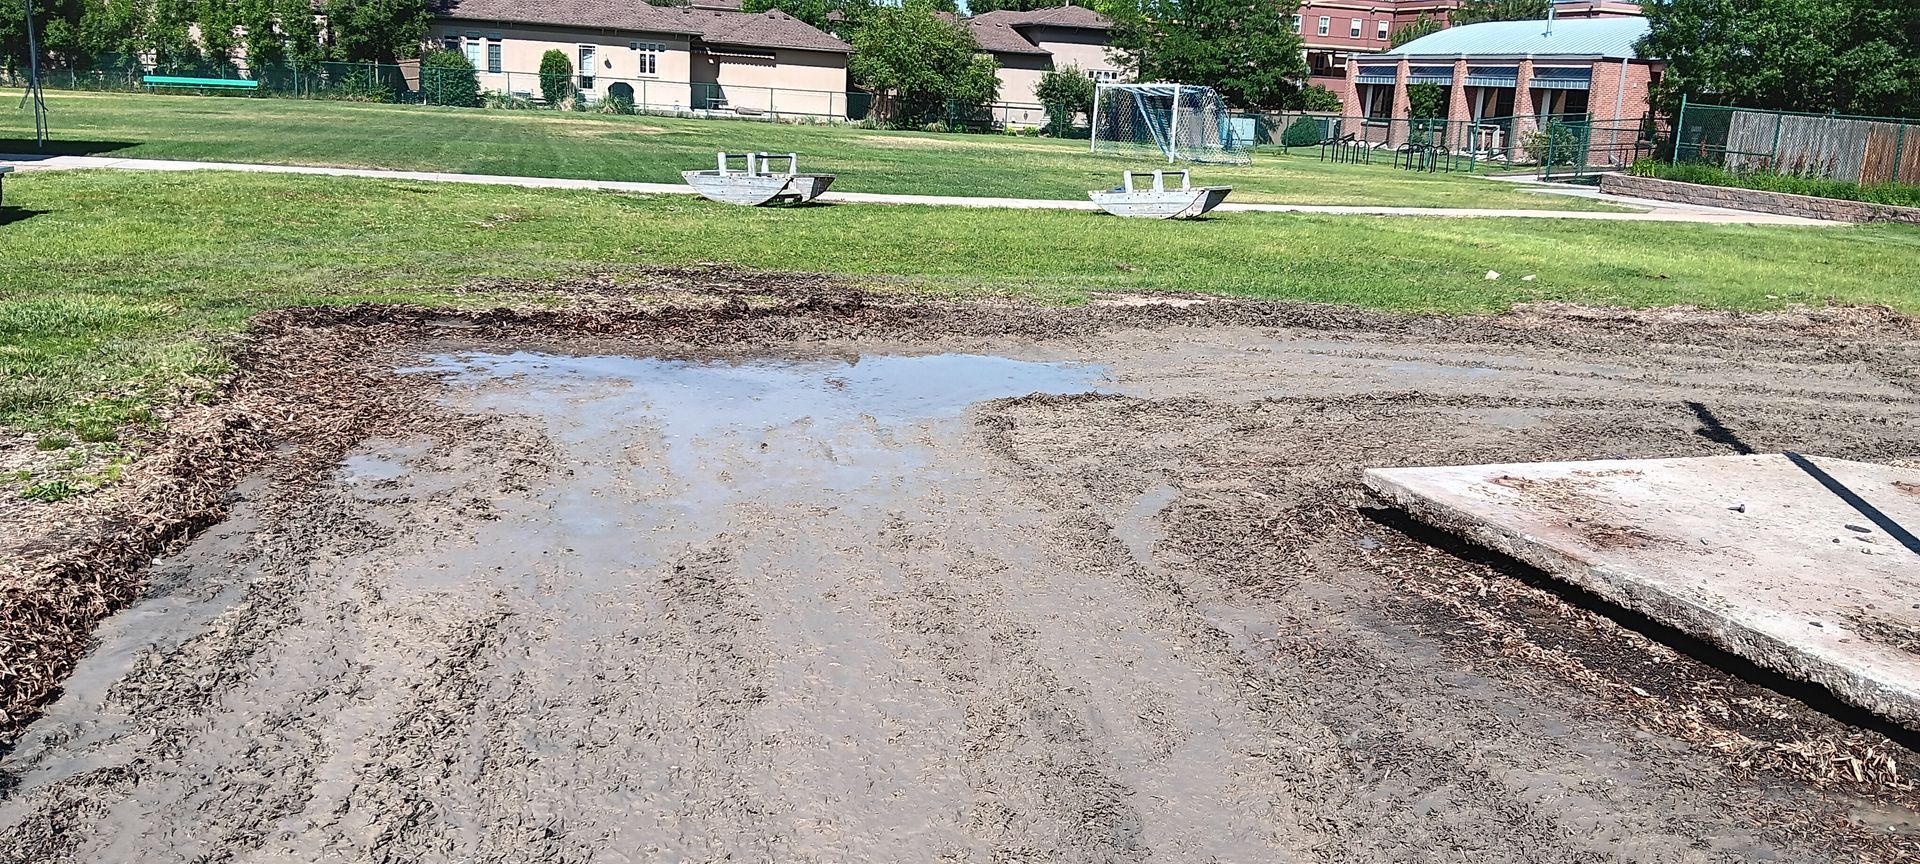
(1335, 30)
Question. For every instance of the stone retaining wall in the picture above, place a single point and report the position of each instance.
(1754, 199)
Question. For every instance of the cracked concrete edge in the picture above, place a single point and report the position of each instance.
(1889, 699)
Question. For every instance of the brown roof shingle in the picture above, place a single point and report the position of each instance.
(770, 29)
(1053, 16)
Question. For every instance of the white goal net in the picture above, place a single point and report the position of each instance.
(1177, 122)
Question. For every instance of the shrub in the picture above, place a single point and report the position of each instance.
(362, 85)
(556, 77)
(500, 99)
(1896, 194)
(448, 78)
(1065, 93)
(1557, 143)
(1302, 132)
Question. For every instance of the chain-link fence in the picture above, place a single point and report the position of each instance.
(411, 83)
(1847, 148)
(1499, 142)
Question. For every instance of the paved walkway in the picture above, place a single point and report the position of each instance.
(1656, 211)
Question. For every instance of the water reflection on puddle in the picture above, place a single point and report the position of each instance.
(705, 432)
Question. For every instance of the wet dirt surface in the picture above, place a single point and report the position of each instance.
(1009, 595)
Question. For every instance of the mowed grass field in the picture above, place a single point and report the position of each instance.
(655, 149)
(117, 288)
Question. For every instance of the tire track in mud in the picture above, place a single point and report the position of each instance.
(1033, 769)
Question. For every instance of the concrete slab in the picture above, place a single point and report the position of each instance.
(1800, 564)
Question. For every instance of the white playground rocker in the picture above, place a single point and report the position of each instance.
(1159, 202)
(758, 184)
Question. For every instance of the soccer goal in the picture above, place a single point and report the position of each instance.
(1179, 122)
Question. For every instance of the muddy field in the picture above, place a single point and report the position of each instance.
(809, 577)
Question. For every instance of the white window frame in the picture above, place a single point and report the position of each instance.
(1296, 25)
(647, 57)
(1353, 27)
(470, 46)
(1103, 76)
(1326, 24)
(586, 65)
(1380, 31)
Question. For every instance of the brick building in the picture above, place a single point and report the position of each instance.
(1336, 30)
(1507, 76)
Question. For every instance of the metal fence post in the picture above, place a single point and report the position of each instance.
(1899, 147)
(1679, 129)
(1773, 158)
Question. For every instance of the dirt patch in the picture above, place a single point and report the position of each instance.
(1152, 623)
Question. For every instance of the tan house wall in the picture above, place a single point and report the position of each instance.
(787, 82)
(1082, 49)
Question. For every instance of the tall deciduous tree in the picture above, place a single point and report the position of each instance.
(381, 31)
(1851, 56)
(1245, 49)
(918, 62)
(1476, 11)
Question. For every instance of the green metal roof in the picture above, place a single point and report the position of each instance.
(1582, 37)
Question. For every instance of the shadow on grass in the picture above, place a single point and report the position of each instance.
(10, 215)
(26, 149)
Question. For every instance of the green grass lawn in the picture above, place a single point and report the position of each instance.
(656, 149)
(116, 287)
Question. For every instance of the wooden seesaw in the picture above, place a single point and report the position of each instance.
(758, 184)
(1159, 202)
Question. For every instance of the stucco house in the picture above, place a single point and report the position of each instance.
(710, 57)
(1027, 44)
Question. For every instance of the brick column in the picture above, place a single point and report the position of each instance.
(1457, 110)
(1522, 104)
(1402, 108)
(1350, 91)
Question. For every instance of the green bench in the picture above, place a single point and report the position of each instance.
(154, 82)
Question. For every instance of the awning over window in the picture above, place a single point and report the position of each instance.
(1430, 75)
(1492, 76)
(1562, 77)
(1376, 74)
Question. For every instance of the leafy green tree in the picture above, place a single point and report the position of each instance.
(58, 22)
(1425, 25)
(556, 77)
(1850, 56)
(918, 63)
(1314, 97)
(838, 17)
(379, 31)
(981, 7)
(219, 22)
(1426, 101)
(169, 36)
(1065, 93)
(1245, 49)
(448, 78)
(1476, 11)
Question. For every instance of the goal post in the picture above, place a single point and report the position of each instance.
(1176, 122)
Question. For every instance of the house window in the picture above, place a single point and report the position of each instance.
(493, 56)
(1353, 28)
(648, 54)
(1380, 32)
(1296, 24)
(473, 52)
(586, 67)
(1103, 76)
(1325, 23)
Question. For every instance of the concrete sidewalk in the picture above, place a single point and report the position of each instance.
(1657, 212)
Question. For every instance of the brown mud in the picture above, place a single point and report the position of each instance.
(759, 568)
